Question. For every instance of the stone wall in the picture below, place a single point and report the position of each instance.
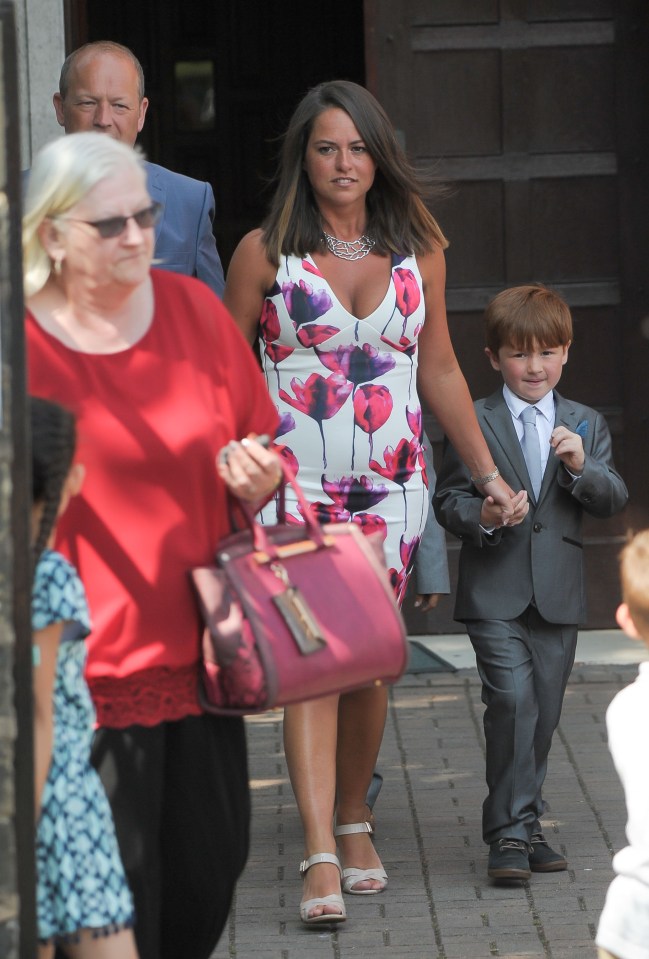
(8, 865)
(9, 900)
(25, 75)
(41, 51)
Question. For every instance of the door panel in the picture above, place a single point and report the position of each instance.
(525, 110)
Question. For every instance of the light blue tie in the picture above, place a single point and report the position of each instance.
(532, 448)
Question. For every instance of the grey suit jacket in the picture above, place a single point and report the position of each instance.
(431, 561)
(542, 558)
(184, 241)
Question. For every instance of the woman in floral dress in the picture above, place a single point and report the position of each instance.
(344, 287)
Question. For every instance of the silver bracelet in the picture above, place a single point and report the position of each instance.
(487, 478)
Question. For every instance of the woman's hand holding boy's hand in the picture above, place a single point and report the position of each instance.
(500, 492)
(493, 515)
(569, 448)
(512, 507)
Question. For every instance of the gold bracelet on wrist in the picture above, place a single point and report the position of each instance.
(487, 478)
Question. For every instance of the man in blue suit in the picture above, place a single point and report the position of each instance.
(102, 89)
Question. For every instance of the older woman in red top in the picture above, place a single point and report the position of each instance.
(160, 380)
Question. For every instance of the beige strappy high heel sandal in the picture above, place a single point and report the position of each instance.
(335, 899)
(352, 877)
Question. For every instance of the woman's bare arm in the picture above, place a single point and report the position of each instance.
(46, 641)
(250, 276)
(442, 385)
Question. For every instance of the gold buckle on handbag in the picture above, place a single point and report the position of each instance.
(296, 613)
(292, 549)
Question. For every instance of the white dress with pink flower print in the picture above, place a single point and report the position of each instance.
(351, 422)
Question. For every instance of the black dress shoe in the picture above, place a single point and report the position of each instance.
(543, 858)
(509, 859)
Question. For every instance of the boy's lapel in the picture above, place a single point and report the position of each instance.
(498, 420)
(564, 415)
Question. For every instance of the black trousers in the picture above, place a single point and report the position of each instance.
(181, 803)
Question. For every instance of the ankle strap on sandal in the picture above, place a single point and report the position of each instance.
(353, 827)
(318, 857)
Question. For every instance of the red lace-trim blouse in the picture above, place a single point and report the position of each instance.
(150, 422)
(147, 697)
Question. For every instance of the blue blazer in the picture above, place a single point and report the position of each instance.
(542, 558)
(184, 240)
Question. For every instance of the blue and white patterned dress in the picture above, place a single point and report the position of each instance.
(81, 881)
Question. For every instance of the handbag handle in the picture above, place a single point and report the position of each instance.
(313, 530)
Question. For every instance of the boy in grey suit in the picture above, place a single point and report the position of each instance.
(521, 588)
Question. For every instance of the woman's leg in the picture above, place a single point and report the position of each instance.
(180, 801)
(131, 764)
(205, 832)
(361, 721)
(310, 736)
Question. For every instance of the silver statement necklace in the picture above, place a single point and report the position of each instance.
(349, 249)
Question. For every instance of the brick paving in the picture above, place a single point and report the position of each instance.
(440, 903)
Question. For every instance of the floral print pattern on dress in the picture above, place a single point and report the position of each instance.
(345, 389)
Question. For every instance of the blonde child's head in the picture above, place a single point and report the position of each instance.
(633, 614)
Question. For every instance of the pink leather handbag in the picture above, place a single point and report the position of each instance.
(294, 612)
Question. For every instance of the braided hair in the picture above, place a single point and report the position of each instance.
(53, 434)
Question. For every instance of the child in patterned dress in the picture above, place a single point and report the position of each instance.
(83, 902)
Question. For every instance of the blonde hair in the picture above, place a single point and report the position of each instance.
(64, 171)
(634, 574)
(526, 316)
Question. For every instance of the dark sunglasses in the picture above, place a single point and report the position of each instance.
(115, 225)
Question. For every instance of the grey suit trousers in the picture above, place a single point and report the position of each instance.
(524, 665)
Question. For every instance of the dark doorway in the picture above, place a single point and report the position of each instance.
(222, 80)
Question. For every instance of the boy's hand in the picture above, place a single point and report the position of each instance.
(569, 448)
(492, 514)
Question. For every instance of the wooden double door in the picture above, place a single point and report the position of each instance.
(534, 112)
